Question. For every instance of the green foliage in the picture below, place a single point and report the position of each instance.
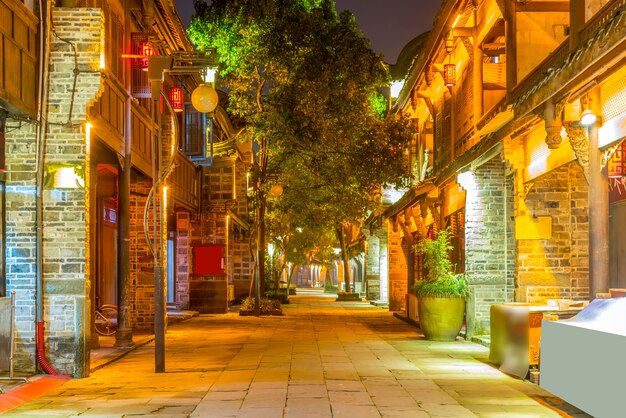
(379, 105)
(266, 305)
(440, 279)
(306, 82)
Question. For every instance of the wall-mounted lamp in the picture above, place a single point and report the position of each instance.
(587, 116)
(64, 176)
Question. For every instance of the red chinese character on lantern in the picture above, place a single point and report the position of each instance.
(147, 50)
(176, 98)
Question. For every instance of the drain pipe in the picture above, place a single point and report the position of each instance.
(42, 126)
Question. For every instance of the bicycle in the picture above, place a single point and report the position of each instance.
(106, 320)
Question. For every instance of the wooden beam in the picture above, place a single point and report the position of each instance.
(543, 6)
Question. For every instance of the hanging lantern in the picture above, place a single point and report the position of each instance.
(449, 75)
(176, 98)
(277, 190)
(147, 50)
(204, 98)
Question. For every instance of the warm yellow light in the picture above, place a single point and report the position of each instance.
(165, 199)
(204, 98)
(456, 20)
(209, 75)
(88, 127)
(588, 118)
(276, 190)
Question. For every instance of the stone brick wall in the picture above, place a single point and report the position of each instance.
(398, 270)
(183, 258)
(141, 259)
(558, 267)
(66, 272)
(372, 266)
(486, 242)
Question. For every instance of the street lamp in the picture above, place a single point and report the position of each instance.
(204, 98)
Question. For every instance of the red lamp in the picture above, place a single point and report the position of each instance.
(449, 75)
(148, 50)
(176, 98)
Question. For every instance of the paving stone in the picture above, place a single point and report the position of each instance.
(320, 359)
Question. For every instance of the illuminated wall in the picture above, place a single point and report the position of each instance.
(556, 267)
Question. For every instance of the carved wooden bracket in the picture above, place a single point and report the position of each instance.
(608, 154)
(527, 187)
(580, 144)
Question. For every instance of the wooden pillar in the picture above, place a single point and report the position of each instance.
(576, 22)
(477, 79)
(511, 44)
(598, 210)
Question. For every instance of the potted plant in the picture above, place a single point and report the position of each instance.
(441, 294)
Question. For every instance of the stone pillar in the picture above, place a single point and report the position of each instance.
(398, 275)
(183, 258)
(383, 240)
(486, 243)
(372, 266)
(598, 209)
(67, 269)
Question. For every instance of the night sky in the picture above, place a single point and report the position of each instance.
(389, 24)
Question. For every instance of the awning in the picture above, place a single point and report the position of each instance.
(410, 197)
(497, 121)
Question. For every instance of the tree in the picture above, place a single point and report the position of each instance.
(307, 84)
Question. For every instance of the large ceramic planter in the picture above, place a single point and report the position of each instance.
(441, 318)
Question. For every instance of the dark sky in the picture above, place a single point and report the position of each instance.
(389, 24)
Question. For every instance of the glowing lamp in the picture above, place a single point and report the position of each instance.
(276, 190)
(147, 50)
(176, 98)
(204, 98)
(449, 75)
(588, 118)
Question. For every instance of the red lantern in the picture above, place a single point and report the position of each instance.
(147, 50)
(176, 98)
(449, 75)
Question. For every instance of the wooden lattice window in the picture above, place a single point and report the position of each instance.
(193, 145)
(140, 85)
(456, 223)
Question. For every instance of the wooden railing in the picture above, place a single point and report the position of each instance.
(140, 139)
(184, 181)
(18, 46)
(607, 12)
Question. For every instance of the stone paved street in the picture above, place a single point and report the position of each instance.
(321, 359)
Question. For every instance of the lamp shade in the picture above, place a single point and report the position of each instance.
(588, 118)
(176, 98)
(449, 75)
(204, 98)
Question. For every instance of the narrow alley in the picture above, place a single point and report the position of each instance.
(322, 358)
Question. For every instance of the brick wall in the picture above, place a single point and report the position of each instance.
(66, 223)
(183, 258)
(487, 238)
(141, 259)
(398, 270)
(557, 267)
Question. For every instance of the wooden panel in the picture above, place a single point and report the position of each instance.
(29, 86)
(1, 61)
(12, 60)
(20, 34)
(6, 20)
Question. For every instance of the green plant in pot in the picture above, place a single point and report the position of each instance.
(441, 293)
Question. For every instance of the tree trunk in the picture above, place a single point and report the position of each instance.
(344, 256)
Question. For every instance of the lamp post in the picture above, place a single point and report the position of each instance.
(205, 100)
